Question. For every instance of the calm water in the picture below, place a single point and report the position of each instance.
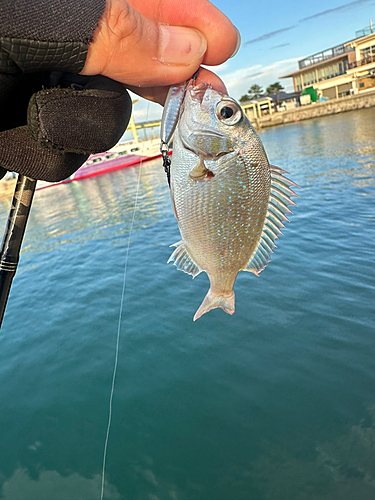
(274, 403)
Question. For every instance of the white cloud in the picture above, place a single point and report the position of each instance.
(144, 110)
(219, 67)
(238, 82)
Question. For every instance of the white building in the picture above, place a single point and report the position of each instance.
(341, 70)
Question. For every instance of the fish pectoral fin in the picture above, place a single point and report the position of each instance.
(183, 260)
(212, 301)
(199, 171)
(277, 208)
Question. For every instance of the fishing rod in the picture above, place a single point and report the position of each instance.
(13, 236)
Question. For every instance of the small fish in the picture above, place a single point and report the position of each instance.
(229, 202)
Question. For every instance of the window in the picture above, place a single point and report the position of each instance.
(309, 78)
(367, 54)
(298, 83)
(332, 70)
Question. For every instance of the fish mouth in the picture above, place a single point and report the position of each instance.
(198, 91)
(191, 143)
(207, 132)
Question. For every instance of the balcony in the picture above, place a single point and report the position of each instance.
(366, 60)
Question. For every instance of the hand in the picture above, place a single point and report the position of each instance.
(52, 122)
(151, 44)
(49, 121)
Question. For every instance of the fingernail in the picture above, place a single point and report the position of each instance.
(179, 45)
(238, 44)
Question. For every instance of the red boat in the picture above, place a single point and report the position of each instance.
(121, 156)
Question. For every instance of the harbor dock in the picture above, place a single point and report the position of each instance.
(316, 110)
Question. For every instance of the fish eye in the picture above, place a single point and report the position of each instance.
(228, 112)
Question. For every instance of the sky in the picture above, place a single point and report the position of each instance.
(275, 36)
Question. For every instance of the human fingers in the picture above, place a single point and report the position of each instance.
(159, 94)
(135, 50)
(211, 78)
(223, 39)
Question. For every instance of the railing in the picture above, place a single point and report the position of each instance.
(325, 55)
(365, 31)
(366, 60)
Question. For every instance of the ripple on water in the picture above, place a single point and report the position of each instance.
(276, 401)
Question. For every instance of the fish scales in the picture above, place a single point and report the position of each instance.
(233, 204)
(225, 194)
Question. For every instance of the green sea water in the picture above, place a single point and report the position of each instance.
(276, 402)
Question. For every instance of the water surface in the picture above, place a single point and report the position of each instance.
(274, 403)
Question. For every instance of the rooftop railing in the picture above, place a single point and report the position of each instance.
(365, 31)
(325, 55)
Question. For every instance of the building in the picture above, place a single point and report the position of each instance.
(256, 108)
(342, 70)
(282, 101)
(271, 103)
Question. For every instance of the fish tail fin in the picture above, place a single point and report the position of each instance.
(212, 301)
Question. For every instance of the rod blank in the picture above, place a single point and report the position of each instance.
(13, 236)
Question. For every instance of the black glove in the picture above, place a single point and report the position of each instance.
(51, 122)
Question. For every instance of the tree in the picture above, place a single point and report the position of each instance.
(275, 87)
(255, 91)
(244, 98)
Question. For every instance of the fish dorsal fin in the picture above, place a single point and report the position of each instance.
(183, 260)
(277, 208)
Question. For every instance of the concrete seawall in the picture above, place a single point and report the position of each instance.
(316, 110)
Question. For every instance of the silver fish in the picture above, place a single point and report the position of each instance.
(229, 202)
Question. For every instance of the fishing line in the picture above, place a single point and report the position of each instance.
(119, 331)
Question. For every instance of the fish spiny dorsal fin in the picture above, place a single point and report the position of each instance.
(183, 261)
(277, 208)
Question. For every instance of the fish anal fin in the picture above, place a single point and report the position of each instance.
(260, 258)
(183, 260)
(212, 301)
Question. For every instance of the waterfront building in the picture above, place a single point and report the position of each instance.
(255, 108)
(348, 68)
(282, 101)
(270, 103)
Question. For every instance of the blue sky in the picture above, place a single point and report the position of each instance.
(275, 35)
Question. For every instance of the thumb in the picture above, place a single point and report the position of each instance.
(136, 50)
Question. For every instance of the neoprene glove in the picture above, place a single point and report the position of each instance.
(50, 121)
(48, 134)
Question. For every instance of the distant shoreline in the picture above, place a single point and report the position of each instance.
(316, 110)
